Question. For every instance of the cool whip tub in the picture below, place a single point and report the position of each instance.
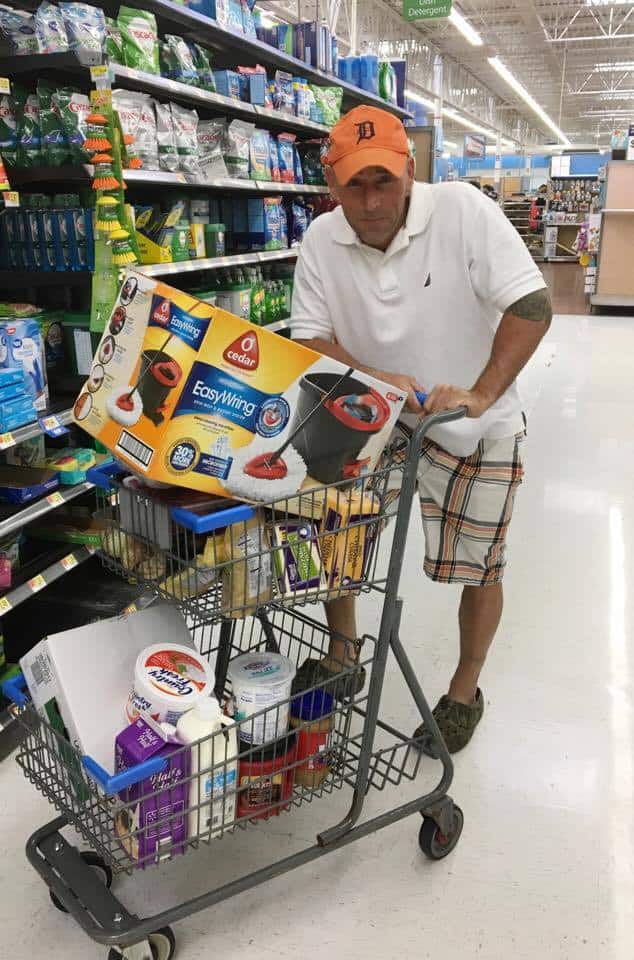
(169, 679)
(261, 681)
(195, 396)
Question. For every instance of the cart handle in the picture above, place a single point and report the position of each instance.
(102, 474)
(209, 522)
(111, 785)
(14, 690)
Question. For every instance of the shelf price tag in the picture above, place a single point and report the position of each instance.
(51, 426)
(131, 608)
(5, 605)
(36, 583)
(11, 198)
(6, 440)
(55, 499)
(5, 85)
(69, 561)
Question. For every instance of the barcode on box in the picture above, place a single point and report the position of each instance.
(135, 449)
(41, 672)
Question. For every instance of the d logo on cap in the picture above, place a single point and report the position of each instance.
(365, 130)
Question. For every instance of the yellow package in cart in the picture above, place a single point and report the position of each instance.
(185, 393)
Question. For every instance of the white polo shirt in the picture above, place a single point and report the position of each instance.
(429, 306)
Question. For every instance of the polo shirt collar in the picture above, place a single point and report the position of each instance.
(418, 216)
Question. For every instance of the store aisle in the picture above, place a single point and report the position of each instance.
(566, 284)
(544, 868)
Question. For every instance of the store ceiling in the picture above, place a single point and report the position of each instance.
(575, 57)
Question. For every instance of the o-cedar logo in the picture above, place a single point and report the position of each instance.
(244, 352)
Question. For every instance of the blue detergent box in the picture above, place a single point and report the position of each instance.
(18, 408)
(12, 392)
(228, 83)
(22, 350)
(258, 84)
(9, 378)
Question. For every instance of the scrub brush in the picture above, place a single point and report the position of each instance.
(95, 133)
(104, 176)
(122, 252)
(134, 160)
(107, 215)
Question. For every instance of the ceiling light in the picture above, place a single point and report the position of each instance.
(416, 97)
(616, 67)
(513, 82)
(453, 115)
(465, 28)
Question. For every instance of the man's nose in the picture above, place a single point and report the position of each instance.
(372, 199)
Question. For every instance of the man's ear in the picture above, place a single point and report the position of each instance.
(331, 180)
(411, 169)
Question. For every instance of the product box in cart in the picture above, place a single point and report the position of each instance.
(185, 393)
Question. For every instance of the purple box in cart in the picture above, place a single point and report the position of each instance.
(153, 824)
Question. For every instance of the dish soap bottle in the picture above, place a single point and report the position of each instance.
(214, 768)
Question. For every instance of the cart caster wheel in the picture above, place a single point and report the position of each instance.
(436, 844)
(162, 944)
(100, 867)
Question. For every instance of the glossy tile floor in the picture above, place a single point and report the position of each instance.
(544, 868)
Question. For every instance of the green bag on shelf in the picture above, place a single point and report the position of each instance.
(329, 99)
(29, 131)
(139, 39)
(55, 150)
(114, 43)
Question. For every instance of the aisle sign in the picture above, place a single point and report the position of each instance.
(475, 146)
(426, 9)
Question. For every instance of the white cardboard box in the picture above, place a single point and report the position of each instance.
(88, 672)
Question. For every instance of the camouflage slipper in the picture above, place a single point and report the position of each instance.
(313, 673)
(456, 722)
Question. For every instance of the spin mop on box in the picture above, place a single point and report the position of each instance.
(159, 374)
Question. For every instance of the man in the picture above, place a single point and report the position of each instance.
(428, 288)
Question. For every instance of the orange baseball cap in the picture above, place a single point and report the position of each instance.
(367, 137)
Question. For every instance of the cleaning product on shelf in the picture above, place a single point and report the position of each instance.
(313, 721)
(71, 464)
(22, 349)
(214, 751)
(169, 679)
(139, 39)
(152, 823)
(50, 29)
(261, 685)
(85, 26)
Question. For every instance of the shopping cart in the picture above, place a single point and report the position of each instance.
(232, 577)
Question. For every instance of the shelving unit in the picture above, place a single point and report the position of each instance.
(30, 430)
(517, 211)
(39, 508)
(563, 191)
(614, 278)
(217, 263)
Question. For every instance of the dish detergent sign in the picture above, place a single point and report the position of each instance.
(426, 9)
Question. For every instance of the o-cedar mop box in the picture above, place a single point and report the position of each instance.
(189, 394)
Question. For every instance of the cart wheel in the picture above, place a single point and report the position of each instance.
(436, 844)
(100, 867)
(162, 944)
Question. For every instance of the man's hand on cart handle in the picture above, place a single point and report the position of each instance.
(406, 384)
(445, 397)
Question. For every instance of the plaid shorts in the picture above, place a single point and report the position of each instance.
(466, 505)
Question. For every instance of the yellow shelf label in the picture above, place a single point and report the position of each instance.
(131, 608)
(5, 605)
(99, 71)
(36, 583)
(69, 561)
(6, 440)
(5, 85)
(49, 423)
(55, 499)
(11, 198)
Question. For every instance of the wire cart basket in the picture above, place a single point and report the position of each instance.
(247, 579)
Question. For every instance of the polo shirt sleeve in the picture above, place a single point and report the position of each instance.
(501, 268)
(310, 315)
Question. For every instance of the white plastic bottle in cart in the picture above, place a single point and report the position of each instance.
(212, 794)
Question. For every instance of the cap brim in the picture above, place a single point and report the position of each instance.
(350, 166)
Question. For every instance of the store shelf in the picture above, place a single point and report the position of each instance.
(230, 49)
(7, 440)
(617, 210)
(278, 325)
(24, 591)
(19, 279)
(216, 263)
(39, 508)
(561, 259)
(82, 175)
(612, 300)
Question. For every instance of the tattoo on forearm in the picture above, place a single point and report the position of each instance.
(534, 306)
